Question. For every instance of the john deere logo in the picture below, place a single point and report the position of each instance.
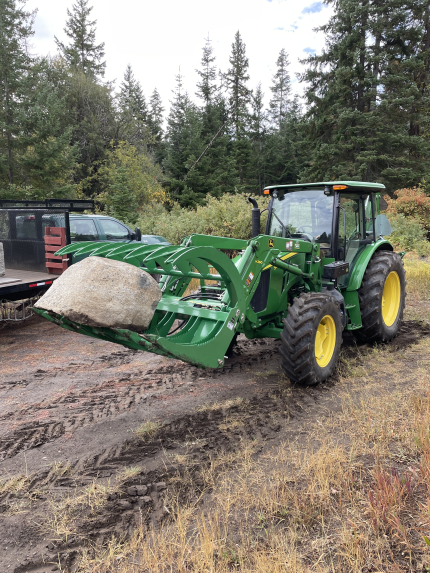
(271, 243)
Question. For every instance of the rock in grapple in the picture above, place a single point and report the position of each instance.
(100, 292)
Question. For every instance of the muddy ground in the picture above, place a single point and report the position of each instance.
(69, 406)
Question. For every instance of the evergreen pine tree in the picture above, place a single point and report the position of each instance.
(207, 87)
(258, 134)
(281, 89)
(155, 115)
(15, 31)
(35, 150)
(236, 80)
(91, 104)
(363, 95)
(239, 99)
(283, 159)
(183, 145)
(92, 114)
(133, 112)
(82, 53)
(285, 154)
(155, 125)
(47, 158)
(215, 171)
(131, 96)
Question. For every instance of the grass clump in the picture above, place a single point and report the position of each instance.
(68, 514)
(147, 430)
(14, 485)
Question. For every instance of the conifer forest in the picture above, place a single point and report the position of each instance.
(364, 115)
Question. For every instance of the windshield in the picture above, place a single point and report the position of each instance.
(303, 214)
(153, 239)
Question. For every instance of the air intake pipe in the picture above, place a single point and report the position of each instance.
(256, 216)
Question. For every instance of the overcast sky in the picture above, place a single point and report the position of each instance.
(159, 37)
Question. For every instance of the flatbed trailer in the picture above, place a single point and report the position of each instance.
(30, 266)
(20, 282)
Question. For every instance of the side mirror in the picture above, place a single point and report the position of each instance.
(138, 234)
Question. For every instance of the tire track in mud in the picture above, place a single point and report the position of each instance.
(200, 436)
(113, 360)
(104, 401)
(113, 397)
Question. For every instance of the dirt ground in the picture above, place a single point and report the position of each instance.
(70, 407)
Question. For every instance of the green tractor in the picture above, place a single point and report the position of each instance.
(321, 267)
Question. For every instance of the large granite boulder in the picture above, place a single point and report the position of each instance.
(2, 267)
(103, 292)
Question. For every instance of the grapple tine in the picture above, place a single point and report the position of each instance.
(74, 247)
(158, 258)
(92, 247)
(120, 252)
(104, 250)
(136, 256)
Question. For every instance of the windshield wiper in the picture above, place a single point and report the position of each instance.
(282, 225)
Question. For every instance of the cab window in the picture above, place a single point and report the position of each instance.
(303, 215)
(26, 226)
(368, 214)
(350, 219)
(83, 230)
(113, 230)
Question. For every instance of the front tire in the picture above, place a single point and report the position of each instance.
(311, 339)
(382, 298)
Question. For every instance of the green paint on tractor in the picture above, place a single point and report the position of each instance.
(322, 266)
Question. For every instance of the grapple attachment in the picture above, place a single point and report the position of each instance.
(196, 328)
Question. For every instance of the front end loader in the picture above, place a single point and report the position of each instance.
(322, 266)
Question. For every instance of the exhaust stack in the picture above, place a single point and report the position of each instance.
(256, 216)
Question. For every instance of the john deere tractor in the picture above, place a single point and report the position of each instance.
(321, 267)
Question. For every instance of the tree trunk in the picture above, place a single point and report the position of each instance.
(8, 133)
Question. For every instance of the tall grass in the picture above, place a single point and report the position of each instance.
(417, 276)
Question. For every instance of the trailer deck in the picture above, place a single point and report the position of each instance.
(17, 280)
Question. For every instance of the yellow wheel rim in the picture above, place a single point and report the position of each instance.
(391, 299)
(325, 341)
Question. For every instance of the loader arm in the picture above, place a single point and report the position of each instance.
(207, 322)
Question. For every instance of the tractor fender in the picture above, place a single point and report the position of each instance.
(361, 263)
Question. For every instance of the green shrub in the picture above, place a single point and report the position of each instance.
(412, 203)
(228, 216)
(409, 234)
(422, 248)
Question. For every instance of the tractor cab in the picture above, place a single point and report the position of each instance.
(343, 217)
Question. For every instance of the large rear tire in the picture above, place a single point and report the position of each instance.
(382, 298)
(311, 339)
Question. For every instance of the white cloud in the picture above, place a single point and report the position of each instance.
(157, 38)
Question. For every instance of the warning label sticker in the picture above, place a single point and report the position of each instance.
(289, 246)
(249, 279)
